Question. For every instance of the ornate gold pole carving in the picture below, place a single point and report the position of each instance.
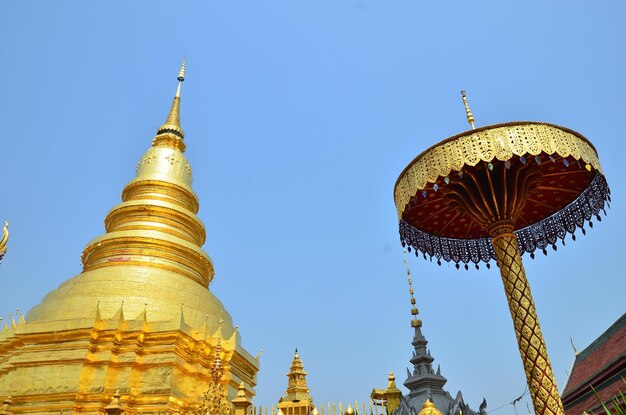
(539, 375)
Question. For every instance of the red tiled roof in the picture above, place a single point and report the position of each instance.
(592, 403)
(601, 365)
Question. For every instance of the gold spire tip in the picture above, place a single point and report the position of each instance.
(181, 76)
(181, 73)
(468, 113)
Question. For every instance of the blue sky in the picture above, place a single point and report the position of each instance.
(299, 115)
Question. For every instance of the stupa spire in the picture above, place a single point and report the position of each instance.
(172, 123)
(181, 76)
(154, 232)
(423, 376)
(415, 322)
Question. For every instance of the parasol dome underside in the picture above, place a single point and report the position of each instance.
(570, 192)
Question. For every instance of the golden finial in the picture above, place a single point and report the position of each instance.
(470, 117)
(181, 76)
(242, 390)
(415, 322)
(172, 123)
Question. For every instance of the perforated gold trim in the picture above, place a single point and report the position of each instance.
(500, 142)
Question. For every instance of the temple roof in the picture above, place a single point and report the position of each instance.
(602, 365)
(297, 389)
(424, 383)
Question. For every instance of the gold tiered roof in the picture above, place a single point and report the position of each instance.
(297, 389)
(297, 400)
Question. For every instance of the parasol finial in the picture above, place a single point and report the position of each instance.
(415, 322)
(470, 117)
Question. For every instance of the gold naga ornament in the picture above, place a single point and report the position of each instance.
(497, 192)
(4, 240)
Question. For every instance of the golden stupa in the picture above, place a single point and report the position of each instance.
(139, 318)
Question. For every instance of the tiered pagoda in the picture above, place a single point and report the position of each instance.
(425, 384)
(297, 400)
(140, 317)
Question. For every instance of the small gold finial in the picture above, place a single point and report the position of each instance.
(242, 390)
(172, 123)
(181, 76)
(181, 73)
(470, 117)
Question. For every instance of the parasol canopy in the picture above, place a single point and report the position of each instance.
(544, 179)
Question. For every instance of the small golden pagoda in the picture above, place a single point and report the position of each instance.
(429, 408)
(139, 318)
(297, 400)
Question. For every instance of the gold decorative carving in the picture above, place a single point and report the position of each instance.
(499, 142)
(149, 159)
(5, 409)
(215, 399)
(543, 389)
(171, 159)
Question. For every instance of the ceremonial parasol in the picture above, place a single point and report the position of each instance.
(495, 193)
